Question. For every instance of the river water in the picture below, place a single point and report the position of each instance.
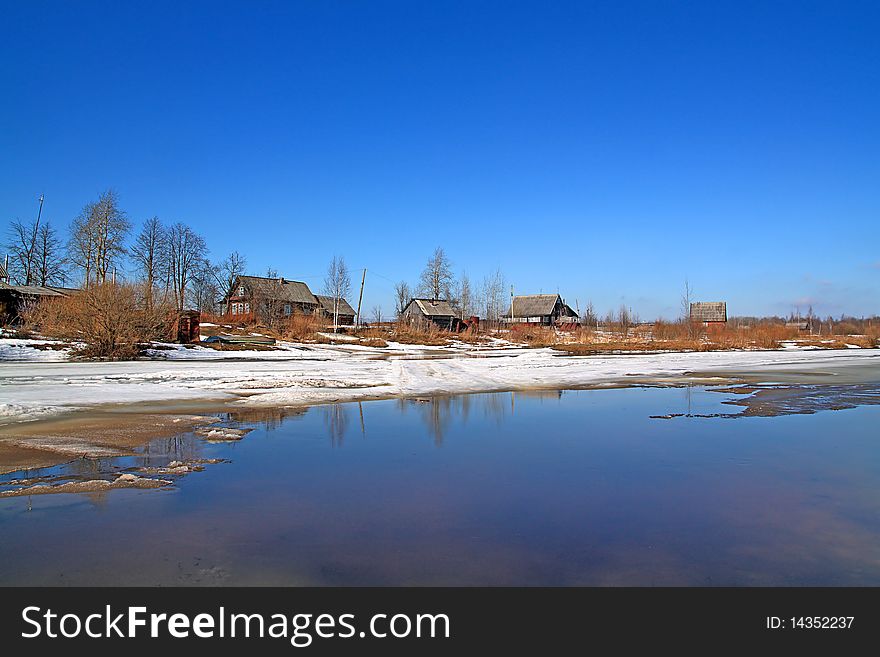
(635, 486)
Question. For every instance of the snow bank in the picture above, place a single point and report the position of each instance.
(31, 350)
(301, 374)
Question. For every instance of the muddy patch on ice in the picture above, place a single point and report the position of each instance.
(93, 435)
(88, 486)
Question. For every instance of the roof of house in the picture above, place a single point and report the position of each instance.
(535, 305)
(433, 307)
(327, 305)
(279, 289)
(709, 311)
(32, 290)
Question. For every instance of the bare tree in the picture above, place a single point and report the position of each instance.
(50, 257)
(402, 295)
(186, 254)
(493, 295)
(436, 279)
(97, 238)
(377, 314)
(22, 246)
(590, 317)
(624, 319)
(337, 284)
(226, 273)
(148, 255)
(204, 291)
(686, 300)
(465, 297)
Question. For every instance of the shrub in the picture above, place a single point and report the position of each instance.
(110, 320)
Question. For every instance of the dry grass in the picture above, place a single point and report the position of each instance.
(299, 328)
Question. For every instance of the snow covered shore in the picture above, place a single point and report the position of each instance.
(306, 374)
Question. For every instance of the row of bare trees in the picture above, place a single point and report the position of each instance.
(169, 261)
(437, 281)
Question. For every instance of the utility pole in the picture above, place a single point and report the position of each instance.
(511, 305)
(357, 322)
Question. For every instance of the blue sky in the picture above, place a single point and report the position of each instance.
(608, 150)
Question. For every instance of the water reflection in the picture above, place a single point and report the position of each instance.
(438, 413)
(269, 418)
(515, 497)
(336, 420)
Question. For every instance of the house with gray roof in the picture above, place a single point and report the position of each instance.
(431, 311)
(543, 309)
(346, 312)
(14, 298)
(258, 296)
(709, 312)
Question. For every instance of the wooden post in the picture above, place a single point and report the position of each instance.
(357, 321)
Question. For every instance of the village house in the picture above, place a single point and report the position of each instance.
(15, 298)
(431, 311)
(543, 309)
(253, 296)
(346, 313)
(709, 312)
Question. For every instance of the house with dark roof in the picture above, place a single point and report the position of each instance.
(14, 298)
(346, 312)
(431, 311)
(709, 312)
(257, 296)
(543, 309)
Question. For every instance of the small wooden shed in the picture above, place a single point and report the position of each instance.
(709, 312)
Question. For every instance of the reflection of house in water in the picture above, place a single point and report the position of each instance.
(440, 412)
(269, 417)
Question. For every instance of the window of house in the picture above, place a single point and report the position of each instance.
(287, 309)
(241, 290)
(247, 307)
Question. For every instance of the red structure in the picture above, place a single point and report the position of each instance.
(188, 326)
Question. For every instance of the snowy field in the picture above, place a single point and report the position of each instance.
(36, 382)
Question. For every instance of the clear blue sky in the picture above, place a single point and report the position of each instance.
(607, 150)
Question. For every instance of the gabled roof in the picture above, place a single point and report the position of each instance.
(327, 305)
(32, 290)
(279, 289)
(709, 311)
(432, 307)
(535, 305)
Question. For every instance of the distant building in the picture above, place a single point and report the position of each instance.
(544, 309)
(431, 311)
(346, 312)
(800, 324)
(709, 312)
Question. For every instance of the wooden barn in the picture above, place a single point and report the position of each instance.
(346, 312)
(709, 312)
(253, 296)
(431, 311)
(14, 298)
(543, 309)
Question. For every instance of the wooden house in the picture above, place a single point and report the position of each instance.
(257, 296)
(709, 312)
(431, 311)
(543, 309)
(14, 299)
(346, 312)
